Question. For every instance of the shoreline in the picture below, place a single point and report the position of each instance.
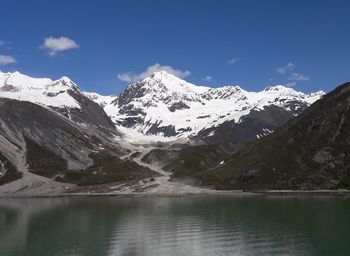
(296, 193)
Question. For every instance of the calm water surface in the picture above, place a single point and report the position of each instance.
(189, 225)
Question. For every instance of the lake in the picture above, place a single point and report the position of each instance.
(184, 225)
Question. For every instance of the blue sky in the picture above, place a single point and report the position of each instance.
(103, 44)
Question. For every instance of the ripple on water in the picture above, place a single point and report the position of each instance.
(173, 226)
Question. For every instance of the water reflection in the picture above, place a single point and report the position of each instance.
(194, 225)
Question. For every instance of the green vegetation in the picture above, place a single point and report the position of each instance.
(194, 159)
(44, 162)
(106, 168)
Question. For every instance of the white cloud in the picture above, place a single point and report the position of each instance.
(298, 77)
(208, 78)
(287, 68)
(232, 61)
(127, 77)
(290, 84)
(2, 43)
(56, 45)
(6, 59)
(132, 77)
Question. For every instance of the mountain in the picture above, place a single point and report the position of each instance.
(311, 151)
(163, 107)
(55, 138)
(52, 135)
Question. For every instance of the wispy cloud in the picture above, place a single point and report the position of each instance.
(292, 78)
(208, 78)
(290, 84)
(133, 77)
(285, 69)
(55, 45)
(5, 45)
(298, 77)
(232, 61)
(6, 60)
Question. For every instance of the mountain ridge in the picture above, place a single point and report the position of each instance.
(170, 108)
(161, 107)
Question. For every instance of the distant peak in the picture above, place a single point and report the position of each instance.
(163, 81)
(318, 94)
(232, 87)
(66, 81)
(277, 88)
(15, 74)
(160, 73)
(163, 75)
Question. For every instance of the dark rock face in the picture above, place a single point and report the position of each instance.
(178, 106)
(130, 110)
(129, 122)
(187, 129)
(130, 93)
(168, 131)
(202, 117)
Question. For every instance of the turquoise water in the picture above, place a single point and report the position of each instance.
(188, 225)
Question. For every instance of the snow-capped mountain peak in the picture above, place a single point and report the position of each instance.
(16, 81)
(67, 82)
(102, 100)
(42, 91)
(282, 90)
(278, 87)
(167, 82)
(161, 87)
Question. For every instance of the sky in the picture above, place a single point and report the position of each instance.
(104, 45)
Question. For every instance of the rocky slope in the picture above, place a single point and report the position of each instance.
(310, 151)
